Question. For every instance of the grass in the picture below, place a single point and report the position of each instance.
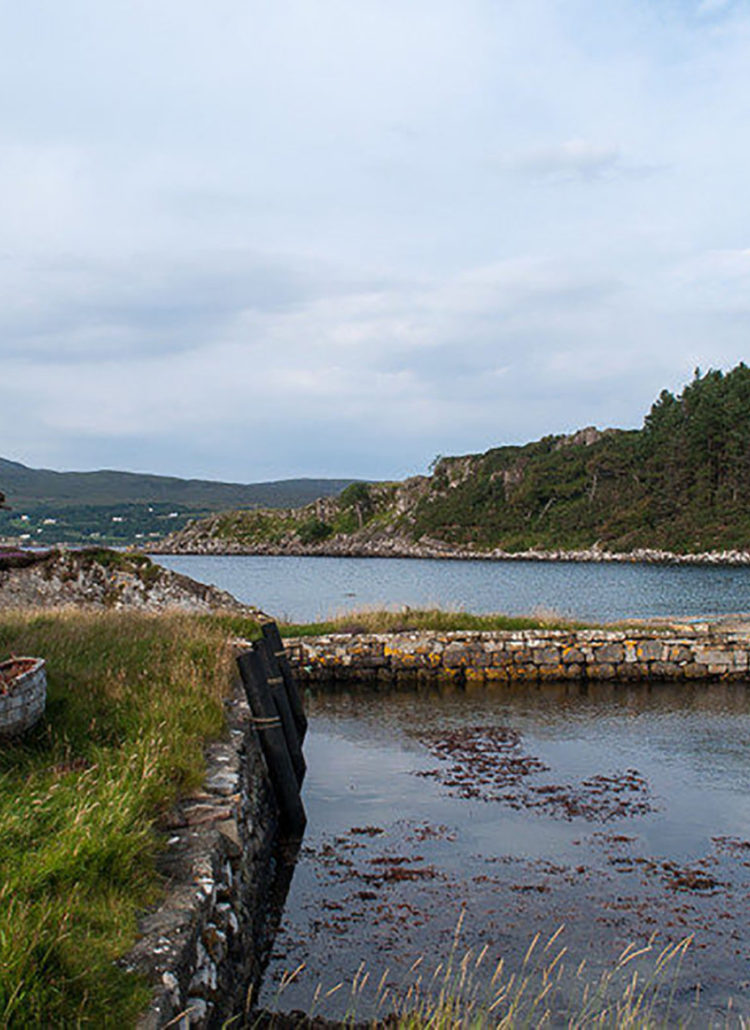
(131, 698)
(440, 621)
(467, 992)
(636, 993)
(416, 620)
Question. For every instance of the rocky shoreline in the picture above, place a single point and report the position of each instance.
(105, 579)
(432, 549)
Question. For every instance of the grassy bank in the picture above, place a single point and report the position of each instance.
(131, 698)
(418, 620)
(385, 621)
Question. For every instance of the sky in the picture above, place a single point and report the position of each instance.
(245, 240)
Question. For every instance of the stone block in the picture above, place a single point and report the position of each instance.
(456, 655)
(600, 671)
(523, 671)
(666, 670)
(650, 650)
(495, 674)
(571, 655)
(375, 649)
(501, 659)
(631, 651)
(402, 659)
(215, 942)
(722, 671)
(632, 671)
(609, 653)
(714, 656)
(229, 831)
(694, 671)
(552, 672)
(546, 655)
(679, 653)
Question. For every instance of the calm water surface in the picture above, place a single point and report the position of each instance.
(306, 589)
(614, 811)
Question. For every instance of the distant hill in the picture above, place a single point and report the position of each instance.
(681, 483)
(118, 506)
(24, 487)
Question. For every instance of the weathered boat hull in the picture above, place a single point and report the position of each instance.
(23, 695)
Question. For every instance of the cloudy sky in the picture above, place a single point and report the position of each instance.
(247, 240)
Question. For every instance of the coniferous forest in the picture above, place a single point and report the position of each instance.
(681, 482)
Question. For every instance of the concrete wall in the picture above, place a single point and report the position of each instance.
(532, 655)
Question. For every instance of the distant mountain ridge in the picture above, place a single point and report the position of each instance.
(679, 485)
(24, 487)
(123, 507)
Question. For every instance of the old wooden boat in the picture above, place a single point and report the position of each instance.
(23, 694)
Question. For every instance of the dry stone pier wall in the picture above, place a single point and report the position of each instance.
(530, 655)
(203, 947)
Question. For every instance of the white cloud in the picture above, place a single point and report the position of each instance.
(573, 159)
(710, 7)
(285, 225)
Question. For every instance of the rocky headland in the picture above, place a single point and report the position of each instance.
(399, 548)
(675, 491)
(282, 532)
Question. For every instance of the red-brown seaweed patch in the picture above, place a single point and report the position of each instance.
(732, 846)
(487, 763)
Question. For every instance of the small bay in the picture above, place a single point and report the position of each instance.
(305, 589)
(446, 821)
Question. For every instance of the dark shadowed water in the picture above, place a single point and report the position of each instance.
(616, 812)
(306, 589)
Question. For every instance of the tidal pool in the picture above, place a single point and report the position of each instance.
(444, 821)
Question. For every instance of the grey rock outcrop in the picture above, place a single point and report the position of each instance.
(105, 579)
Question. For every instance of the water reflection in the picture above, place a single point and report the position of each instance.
(618, 811)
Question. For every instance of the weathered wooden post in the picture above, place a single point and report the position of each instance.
(275, 681)
(271, 633)
(267, 722)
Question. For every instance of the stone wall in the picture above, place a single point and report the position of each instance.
(530, 655)
(203, 946)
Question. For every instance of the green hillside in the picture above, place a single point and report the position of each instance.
(680, 483)
(120, 507)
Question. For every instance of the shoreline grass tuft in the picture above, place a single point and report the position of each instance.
(468, 990)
